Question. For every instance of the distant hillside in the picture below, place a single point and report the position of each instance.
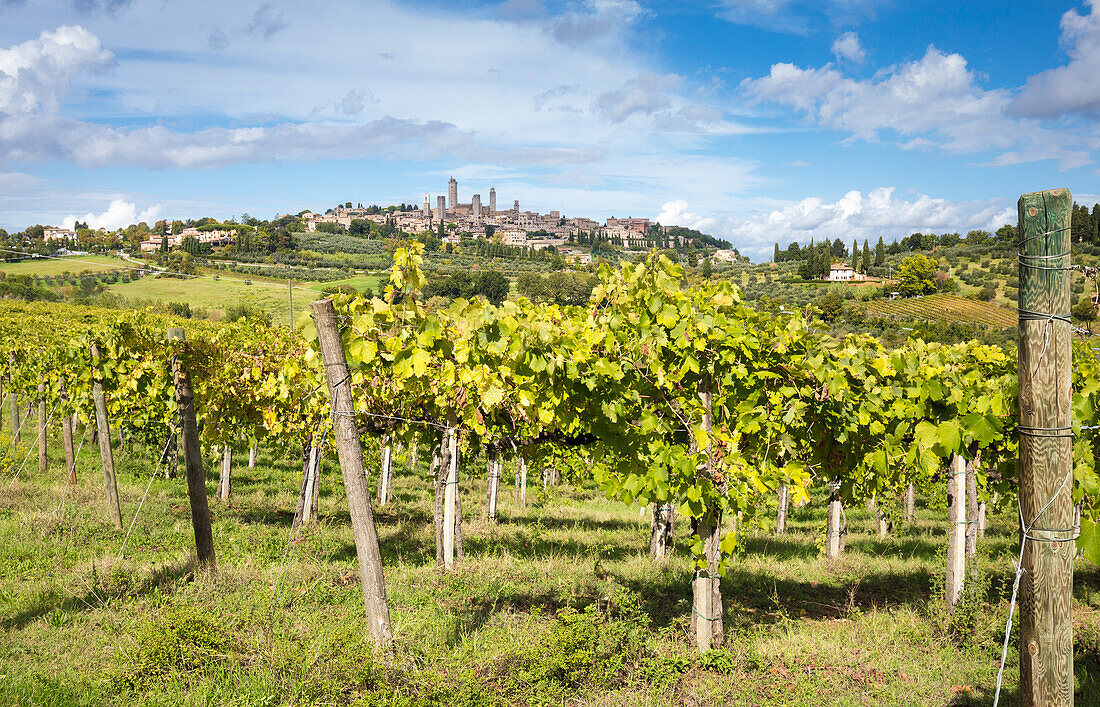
(944, 307)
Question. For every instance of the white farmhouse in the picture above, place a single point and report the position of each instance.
(838, 272)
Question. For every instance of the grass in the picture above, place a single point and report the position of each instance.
(76, 264)
(556, 603)
(945, 307)
(217, 295)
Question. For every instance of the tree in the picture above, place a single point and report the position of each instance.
(880, 253)
(1085, 312)
(838, 250)
(866, 264)
(916, 275)
(1006, 234)
(831, 305)
(855, 256)
(706, 270)
(775, 254)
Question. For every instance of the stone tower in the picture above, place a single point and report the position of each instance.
(452, 193)
(440, 209)
(492, 200)
(475, 205)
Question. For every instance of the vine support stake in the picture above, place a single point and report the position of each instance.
(105, 453)
(67, 437)
(1046, 449)
(192, 457)
(350, 452)
(42, 458)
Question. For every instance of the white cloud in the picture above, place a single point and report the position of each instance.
(35, 75)
(1072, 88)
(119, 214)
(643, 94)
(933, 102)
(796, 16)
(597, 19)
(847, 47)
(855, 215)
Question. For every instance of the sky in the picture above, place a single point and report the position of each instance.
(758, 121)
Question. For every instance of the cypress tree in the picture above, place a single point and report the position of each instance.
(880, 253)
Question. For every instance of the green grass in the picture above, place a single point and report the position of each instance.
(74, 265)
(217, 295)
(557, 603)
(945, 307)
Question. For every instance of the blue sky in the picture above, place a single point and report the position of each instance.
(756, 120)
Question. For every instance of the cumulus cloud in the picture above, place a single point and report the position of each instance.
(111, 7)
(596, 19)
(119, 213)
(644, 94)
(847, 47)
(266, 22)
(855, 215)
(933, 102)
(796, 16)
(1073, 88)
(35, 75)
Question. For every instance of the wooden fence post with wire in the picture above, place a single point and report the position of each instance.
(350, 452)
(192, 457)
(106, 454)
(1046, 449)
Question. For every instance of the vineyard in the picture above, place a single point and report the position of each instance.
(494, 462)
(945, 307)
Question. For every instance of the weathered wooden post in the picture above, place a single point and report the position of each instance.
(67, 437)
(972, 505)
(660, 531)
(105, 452)
(1046, 449)
(252, 457)
(910, 503)
(226, 470)
(192, 457)
(781, 510)
(956, 542)
(384, 478)
(350, 451)
(492, 485)
(834, 529)
(42, 428)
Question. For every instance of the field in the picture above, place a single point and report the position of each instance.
(556, 603)
(74, 265)
(217, 295)
(946, 307)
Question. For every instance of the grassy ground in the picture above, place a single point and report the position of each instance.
(557, 603)
(217, 295)
(74, 265)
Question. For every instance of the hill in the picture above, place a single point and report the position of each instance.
(944, 307)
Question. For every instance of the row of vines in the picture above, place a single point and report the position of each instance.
(674, 396)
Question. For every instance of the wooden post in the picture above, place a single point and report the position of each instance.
(910, 503)
(834, 530)
(105, 452)
(227, 468)
(42, 460)
(972, 505)
(981, 519)
(1046, 449)
(67, 438)
(660, 531)
(956, 542)
(521, 480)
(781, 510)
(450, 498)
(252, 457)
(350, 452)
(2, 378)
(384, 478)
(885, 525)
(492, 484)
(306, 501)
(706, 584)
(192, 457)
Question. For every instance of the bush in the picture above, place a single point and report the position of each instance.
(986, 294)
(187, 639)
